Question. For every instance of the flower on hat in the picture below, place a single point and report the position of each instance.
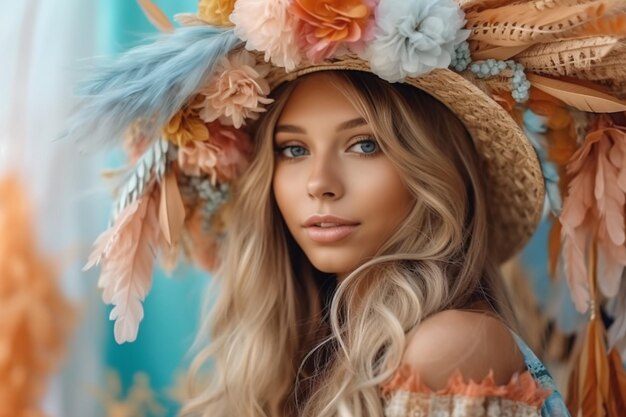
(196, 158)
(325, 25)
(269, 27)
(186, 125)
(223, 156)
(237, 91)
(413, 37)
(216, 12)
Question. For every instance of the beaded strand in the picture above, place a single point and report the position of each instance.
(490, 68)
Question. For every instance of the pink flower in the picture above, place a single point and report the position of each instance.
(224, 156)
(234, 147)
(326, 25)
(267, 26)
(196, 158)
(236, 91)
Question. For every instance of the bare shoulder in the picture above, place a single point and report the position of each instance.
(470, 342)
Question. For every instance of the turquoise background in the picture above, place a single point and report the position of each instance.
(172, 307)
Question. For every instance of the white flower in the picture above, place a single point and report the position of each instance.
(269, 27)
(413, 37)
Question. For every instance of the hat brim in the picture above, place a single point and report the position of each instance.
(515, 185)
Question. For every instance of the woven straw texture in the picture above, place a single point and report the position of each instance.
(515, 187)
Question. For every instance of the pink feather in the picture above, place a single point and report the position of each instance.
(126, 252)
(575, 240)
(594, 208)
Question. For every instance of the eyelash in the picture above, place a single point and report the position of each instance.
(280, 149)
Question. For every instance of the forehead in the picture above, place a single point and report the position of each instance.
(318, 97)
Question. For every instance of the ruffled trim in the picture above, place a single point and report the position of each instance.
(521, 388)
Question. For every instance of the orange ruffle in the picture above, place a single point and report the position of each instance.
(522, 387)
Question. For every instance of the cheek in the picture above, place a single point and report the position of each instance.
(387, 198)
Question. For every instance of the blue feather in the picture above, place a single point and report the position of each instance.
(151, 82)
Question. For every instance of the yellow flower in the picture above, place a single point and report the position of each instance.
(186, 126)
(216, 12)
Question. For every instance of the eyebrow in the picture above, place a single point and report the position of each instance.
(350, 124)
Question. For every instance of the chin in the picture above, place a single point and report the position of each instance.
(333, 263)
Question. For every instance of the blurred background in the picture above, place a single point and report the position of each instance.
(80, 370)
(58, 356)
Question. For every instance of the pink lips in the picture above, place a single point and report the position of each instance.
(328, 229)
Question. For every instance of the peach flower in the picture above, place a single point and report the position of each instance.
(237, 91)
(325, 25)
(269, 27)
(224, 156)
(197, 158)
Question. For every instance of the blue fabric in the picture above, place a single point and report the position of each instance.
(554, 406)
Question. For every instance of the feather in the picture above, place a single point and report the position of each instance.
(467, 5)
(126, 252)
(573, 383)
(617, 399)
(496, 52)
(521, 23)
(149, 167)
(611, 260)
(171, 210)
(576, 222)
(594, 371)
(616, 308)
(609, 198)
(594, 367)
(595, 206)
(565, 58)
(150, 82)
(203, 246)
(610, 195)
(607, 26)
(578, 96)
(574, 245)
(156, 16)
(554, 248)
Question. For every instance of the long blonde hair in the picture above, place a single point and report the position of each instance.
(283, 339)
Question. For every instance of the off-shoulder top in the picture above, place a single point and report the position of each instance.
(531, 393)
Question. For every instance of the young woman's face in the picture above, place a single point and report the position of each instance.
(340, 196)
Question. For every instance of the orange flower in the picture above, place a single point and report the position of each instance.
(325, 25)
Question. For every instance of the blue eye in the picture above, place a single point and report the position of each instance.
(292, 151)
(366, 147)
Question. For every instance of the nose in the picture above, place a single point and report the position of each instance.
(325, 180)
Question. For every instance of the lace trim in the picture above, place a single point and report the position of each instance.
(521, 388)
(411, 404)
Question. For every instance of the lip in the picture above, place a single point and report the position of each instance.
(342, 229)
(328, 218)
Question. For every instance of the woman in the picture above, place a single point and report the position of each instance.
(375, 189)
(353, 175)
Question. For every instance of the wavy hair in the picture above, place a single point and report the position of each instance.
(283, 339)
